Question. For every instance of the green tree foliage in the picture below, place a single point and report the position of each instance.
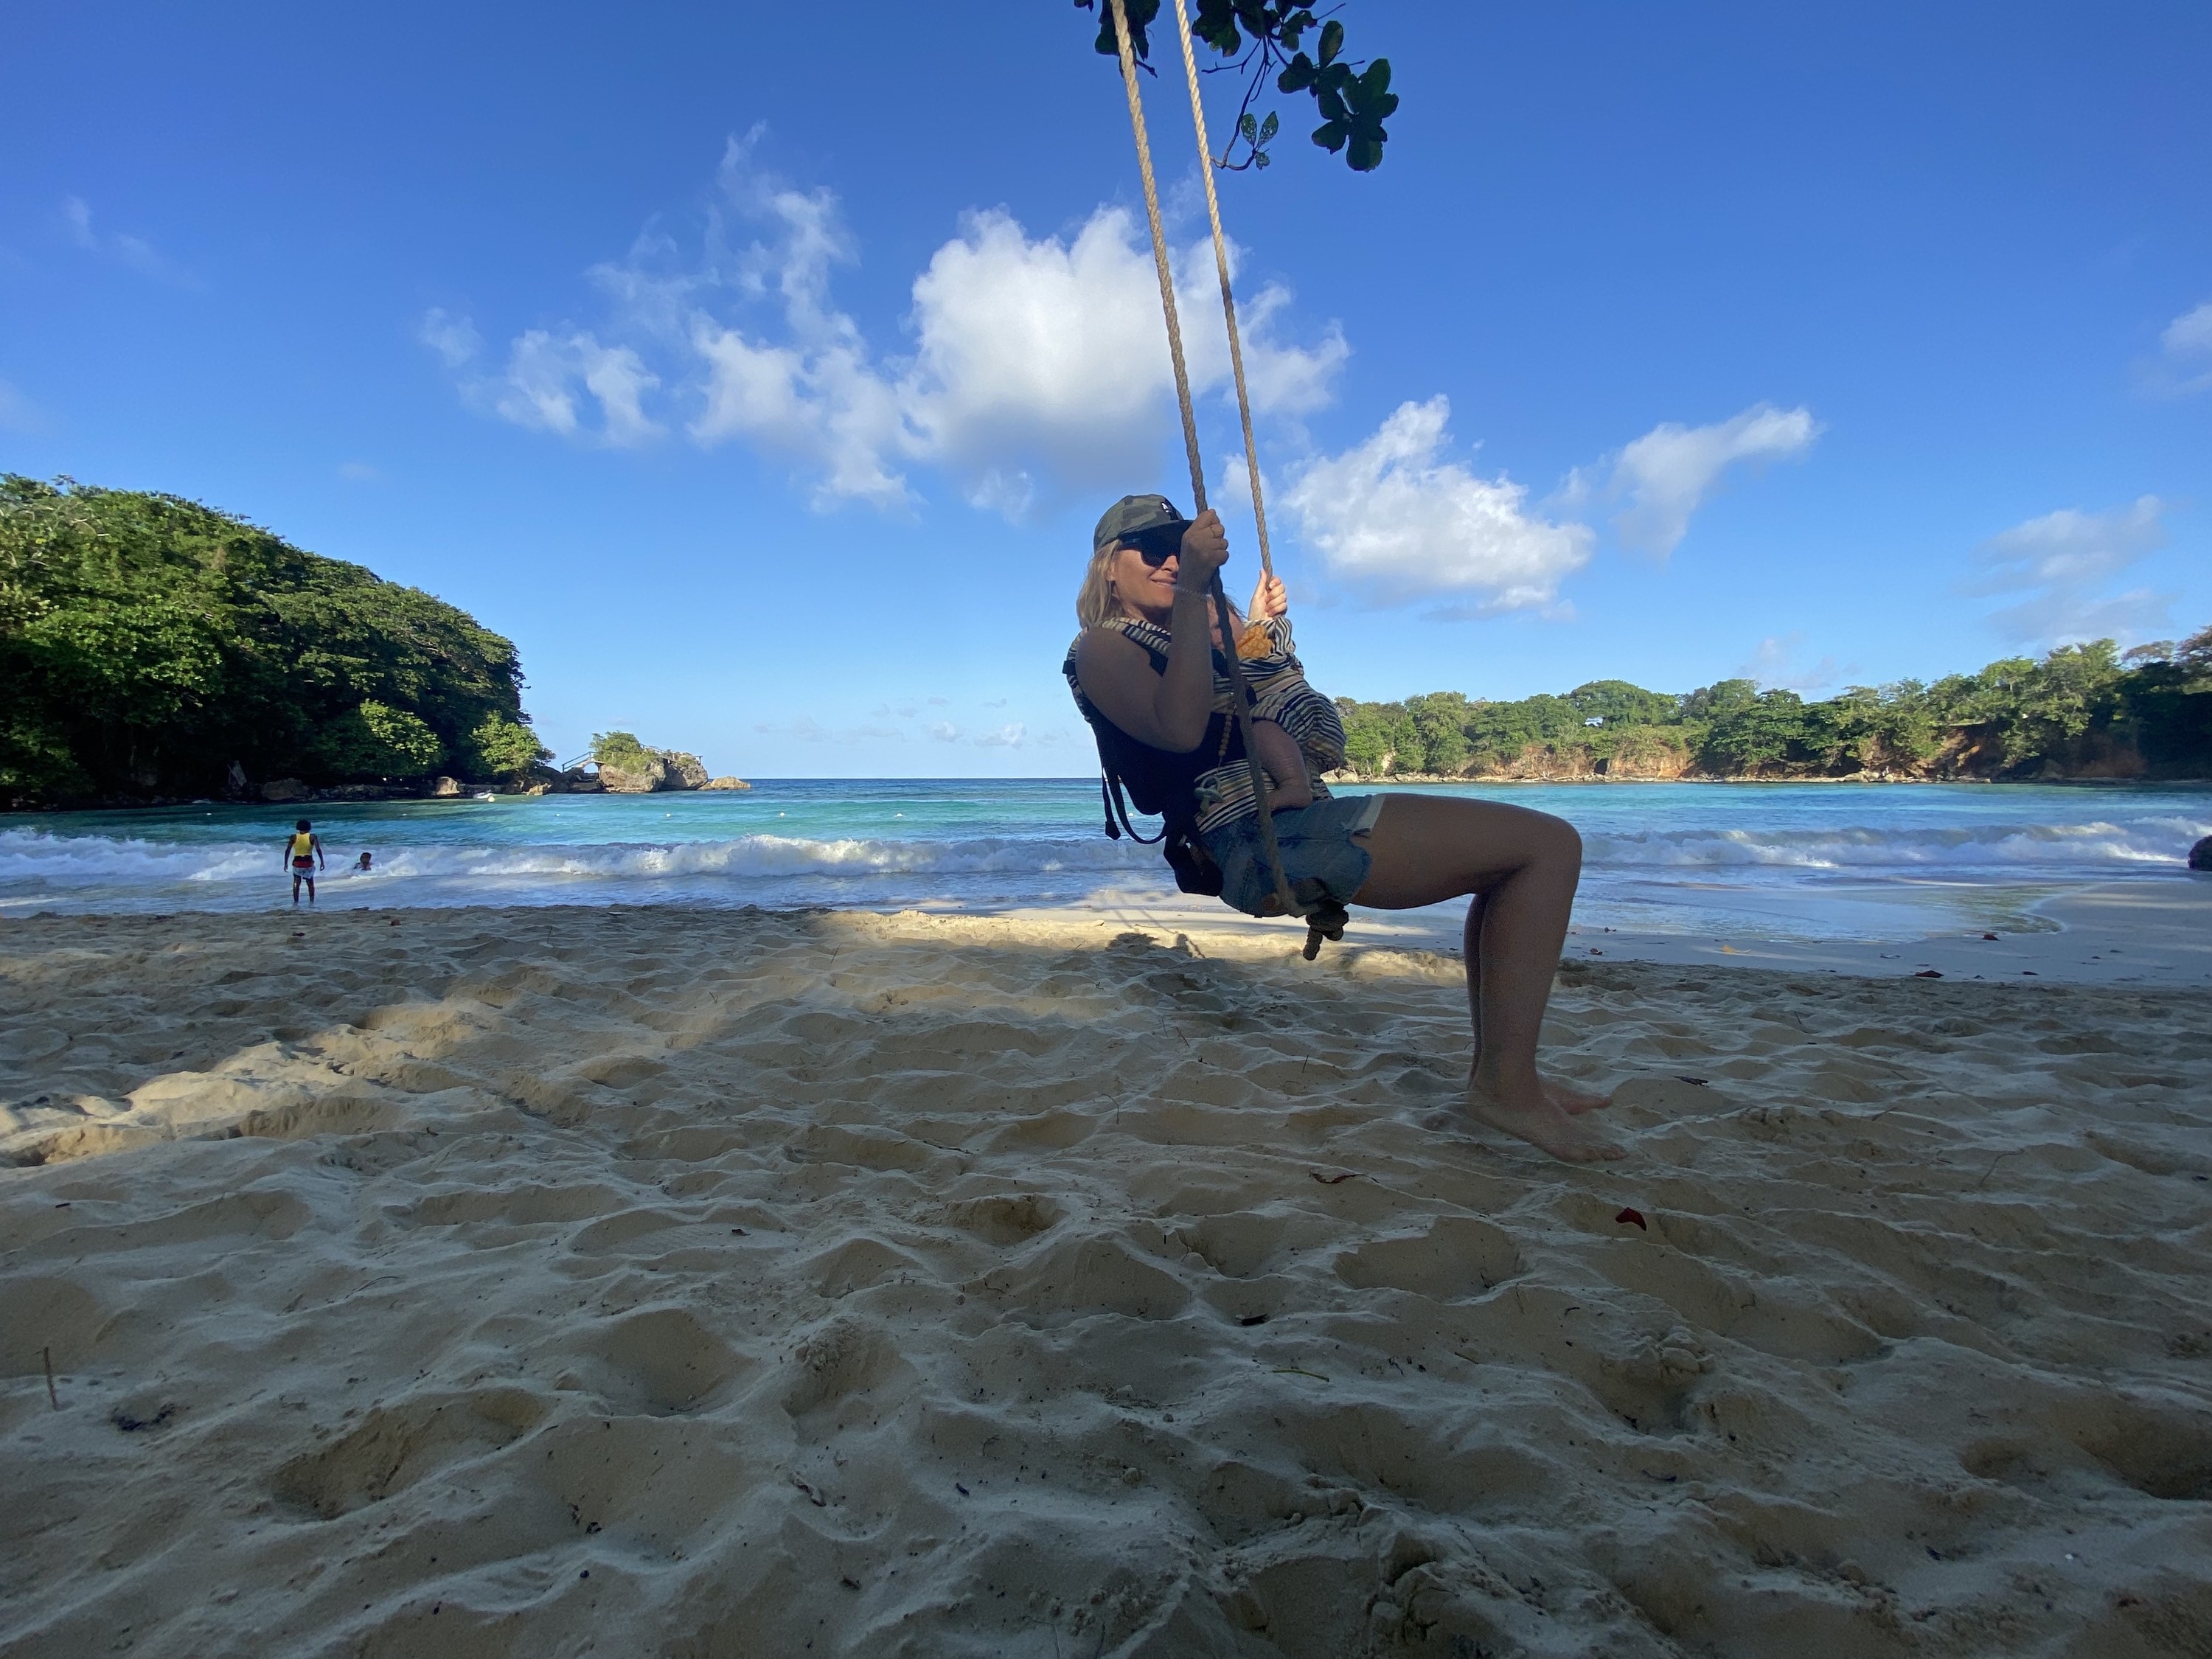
(620, 750)
(1439, 722)
(2081, 710)
(2167, 689)
(147, 643)
(1265, 40)
(375, 742)
(503, 746)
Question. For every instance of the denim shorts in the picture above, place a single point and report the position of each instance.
(1314, 841)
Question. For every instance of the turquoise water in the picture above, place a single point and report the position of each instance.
(1819, 860)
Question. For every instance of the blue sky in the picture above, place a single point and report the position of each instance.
(761, 376)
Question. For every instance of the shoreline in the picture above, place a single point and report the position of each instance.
(2147, 931)
(1417, 779)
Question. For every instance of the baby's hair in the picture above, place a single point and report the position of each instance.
(305, 825)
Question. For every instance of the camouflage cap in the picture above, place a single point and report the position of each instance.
(1132, 516)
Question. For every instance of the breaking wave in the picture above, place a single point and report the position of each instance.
(1056, 860)
(2094, 848)
(63, 861)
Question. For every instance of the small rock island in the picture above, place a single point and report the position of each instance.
(621, 765)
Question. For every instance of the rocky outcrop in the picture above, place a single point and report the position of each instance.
(662, 770)
(2200, 856)
(654, 774)
(448, 789)
(285, 789)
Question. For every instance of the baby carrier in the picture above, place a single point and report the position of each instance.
(1211, 786)
(1159, 782)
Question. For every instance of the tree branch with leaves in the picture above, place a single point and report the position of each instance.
(1259, 40)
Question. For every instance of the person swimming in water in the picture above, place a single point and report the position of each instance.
(304, 849)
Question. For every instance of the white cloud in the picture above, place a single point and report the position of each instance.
(1041, 366)
(2060, 561)
(945, 731)
(807, 729)
(2191, 332)
(1388, 515)
(1006, 737)
(1038, 366)
(1668, 471)
(1779, 664)
(543, 372)
(18, 413)
(134, 252)
(452, 338)
(2188, 344)
(815, 395)
(547, 378)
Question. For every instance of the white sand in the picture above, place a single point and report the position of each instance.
(536, 1283)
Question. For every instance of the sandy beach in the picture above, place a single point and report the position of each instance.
(631, 1281)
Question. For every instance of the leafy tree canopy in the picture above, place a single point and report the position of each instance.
(2079, 710)
(1286, 42)
(149, 643)
(622, 750)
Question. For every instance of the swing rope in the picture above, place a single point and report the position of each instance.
(1228, 298)
(1323, 915)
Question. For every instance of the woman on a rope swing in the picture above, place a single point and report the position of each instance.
(1148, 674)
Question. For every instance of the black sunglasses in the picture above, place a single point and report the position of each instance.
(1158, 544)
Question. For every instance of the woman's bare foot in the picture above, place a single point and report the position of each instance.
(1574, 1101)
(1531, 1114)
(1569, 1097)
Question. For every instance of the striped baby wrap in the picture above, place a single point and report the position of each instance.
(1280, 694)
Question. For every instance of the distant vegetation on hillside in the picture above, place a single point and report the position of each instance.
(150, 646)
(2083, 711)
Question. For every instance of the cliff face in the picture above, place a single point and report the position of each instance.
(1539, 763)
(1969, 757)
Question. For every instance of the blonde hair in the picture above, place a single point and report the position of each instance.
(1095, 602)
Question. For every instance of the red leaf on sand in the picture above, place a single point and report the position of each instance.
(1927, 973)
(1636, 1216)
(1988, 936)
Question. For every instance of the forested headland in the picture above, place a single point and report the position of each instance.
(2083, 711)
(152, 648)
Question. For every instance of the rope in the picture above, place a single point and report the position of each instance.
(1160, 258)
(1242, 703)
(1228, 299)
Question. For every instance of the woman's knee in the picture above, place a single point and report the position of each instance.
(1558, 842)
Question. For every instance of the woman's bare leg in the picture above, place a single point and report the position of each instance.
(1522, 867)
(1572, 1100)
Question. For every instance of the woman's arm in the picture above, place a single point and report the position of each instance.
(1167, 710)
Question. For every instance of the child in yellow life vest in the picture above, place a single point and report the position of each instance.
(304, 849)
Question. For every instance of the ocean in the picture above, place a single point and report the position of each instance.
(1726, 860)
